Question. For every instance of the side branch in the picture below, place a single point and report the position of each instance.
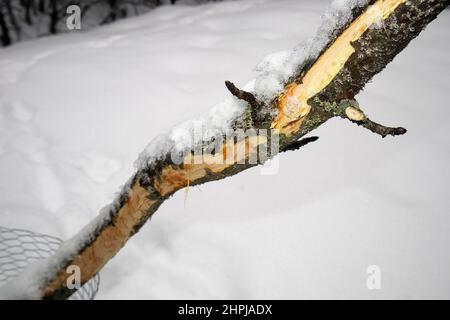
(246, 96)
(350, 110)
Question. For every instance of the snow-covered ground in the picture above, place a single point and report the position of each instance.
(76, 110)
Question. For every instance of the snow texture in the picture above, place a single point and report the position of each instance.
(75, 110)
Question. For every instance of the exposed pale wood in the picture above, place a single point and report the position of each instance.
(293, 103)
(108, 242)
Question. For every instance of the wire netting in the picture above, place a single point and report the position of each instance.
(20, 248)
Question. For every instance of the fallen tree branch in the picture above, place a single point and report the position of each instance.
(320, 88)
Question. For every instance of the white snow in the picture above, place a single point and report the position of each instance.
(275, 69)
(76, 110)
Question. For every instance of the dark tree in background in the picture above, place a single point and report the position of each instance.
(27, 19)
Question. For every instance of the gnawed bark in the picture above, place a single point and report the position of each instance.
(320, 90)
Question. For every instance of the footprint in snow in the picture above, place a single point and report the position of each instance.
(96, 166)
(48, 188)
(21, 112)
(105, 43)
(12, 69)
(203, 41)
(16, 110)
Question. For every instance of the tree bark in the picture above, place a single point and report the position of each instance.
(54, 17)
(325, 88)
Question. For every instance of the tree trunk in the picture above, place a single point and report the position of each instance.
(322, 89)
(41, 6)
(5, 36)
(28, 4)
(54, 17)
(12, 18)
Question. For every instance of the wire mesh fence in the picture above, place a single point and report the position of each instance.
(20, 248)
